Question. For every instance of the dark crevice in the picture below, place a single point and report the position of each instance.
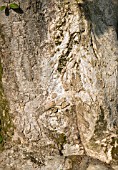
(117, 30)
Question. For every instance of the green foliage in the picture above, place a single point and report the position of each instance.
(11, 6)
(14, 6)
(2, 8)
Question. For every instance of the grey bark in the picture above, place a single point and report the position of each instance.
(60, 80)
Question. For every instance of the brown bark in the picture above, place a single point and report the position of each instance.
(60, 68)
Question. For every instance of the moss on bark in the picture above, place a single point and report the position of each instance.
(6, 127)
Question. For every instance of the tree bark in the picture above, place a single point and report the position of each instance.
(60, 81)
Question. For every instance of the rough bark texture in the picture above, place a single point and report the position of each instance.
(60, 80)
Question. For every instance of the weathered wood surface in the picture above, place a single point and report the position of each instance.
(60, 78)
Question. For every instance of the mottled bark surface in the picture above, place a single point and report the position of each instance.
(60, 80)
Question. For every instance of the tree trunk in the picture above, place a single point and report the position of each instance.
(59, 86)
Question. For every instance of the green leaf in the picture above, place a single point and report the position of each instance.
(14, 6)
(2, 8)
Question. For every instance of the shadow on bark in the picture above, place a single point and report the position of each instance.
(101, 14)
